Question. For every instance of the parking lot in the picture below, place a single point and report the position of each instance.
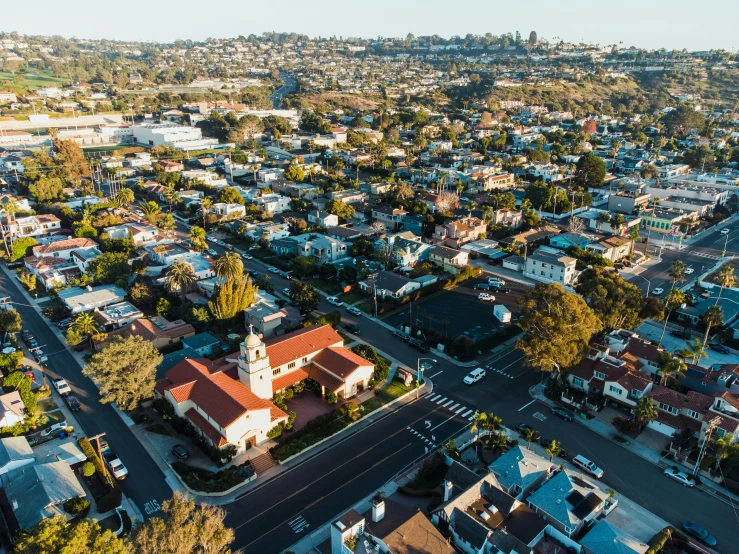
(458, 311)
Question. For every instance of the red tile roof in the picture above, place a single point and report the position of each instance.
(146, 329)
(340, 361)
(642, 349)
(297, 345)
(634, 380)
(222, 397)
(726, 423)
(678, 421)
(730, 399)
(45, 249)
(324, 378)
(284, 381)
(208, 430)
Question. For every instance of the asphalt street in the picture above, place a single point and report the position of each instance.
(296, 503)
(145, 483)
(290, 84)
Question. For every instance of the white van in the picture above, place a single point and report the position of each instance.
(587, 465)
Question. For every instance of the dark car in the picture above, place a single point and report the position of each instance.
(522, 427)
(680, 335)
(504, 290)
(254, 274)
(180, 451)
(564, 414)
(719, 348)
(419, 345)
(400, 335)
(698, 532)
(73, 403)
(481, 286)
(354, 329)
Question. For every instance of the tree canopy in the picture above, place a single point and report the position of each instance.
(232, 297)
(56, 535)
(591, 170)
(617, 303)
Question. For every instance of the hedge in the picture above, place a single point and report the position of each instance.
(202, 480)
(92, 455)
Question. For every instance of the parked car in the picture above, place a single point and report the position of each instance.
(254, 274)
(62, 387)
(583, 463)
(334, 301)
(56, 428)
(286, 275)
(474, 376)
(689, 270)
(657, 291)
(212, 252)
(39, 356)
(273, 270)
(8, 350)
(725, 231)
(400, 335)
(484, 296)
(720, 348)
(680, 476)
(564, 414)
(115, 465)
(522, 427)
(419, 345)
(504, 290)
(481, 286)
(680, 335)
(496, 281)
(72, 403)
(562, 452)
(698, 532)
(286, 291)
(353, 310)
(180, 451)
(64, 323)
(247, 256)
(354, 329)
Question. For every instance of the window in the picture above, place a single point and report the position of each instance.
(577, 382)
(305, 360)
(615, 390)
(291, 365)
(600, 375)
(636, 393)
(276, 371)
(668, 409)
(694, 415)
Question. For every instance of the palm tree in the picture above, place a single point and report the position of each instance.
(197, 237)
(180, 276)
(724, 278)
(171, 197)
(85, 325)
(451, 449)
(553, 449)
(10, 208)
(205, 204)
(670, 367)
(712, 317)
(479, 422)
(645, 411)
(694, 349)
(229, 265)
(674, 299)
(150, 209)
(528, 435)
(677, 271)
(603, 217)
(254, 169)
(124, 197)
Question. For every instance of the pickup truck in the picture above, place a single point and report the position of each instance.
(115, 465)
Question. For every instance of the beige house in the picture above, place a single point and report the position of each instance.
(156, 330)
(449, 259)
(459, 232)
(613, 248)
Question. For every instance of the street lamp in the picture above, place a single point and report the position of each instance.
(419, 373)
(649, 283)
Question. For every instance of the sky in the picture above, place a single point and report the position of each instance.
(671, 24)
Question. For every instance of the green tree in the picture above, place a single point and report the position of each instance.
(47, 189)
(110, 267)
(183, 528)
(180, 277)
(197, 238)
(553, 449)
(617, 303)
(558, 327)
(724, 278)
(10, 321)
(682, 119)
(304, 267)
(21, 248)
(304, 296)
(340, 209)
(294, 173)
(479, 423)
(232, 297)
(677, 272)
(591, 171)
(56, 535)
(142, 293)
(124, 197)
(645, 411)
(125, 370)
(713, 317)
(669, 367)
(694, 350)
(83, 325)
(529, 434)
(229, 266)
(230, 195)
(673, 300)
(163, 306)
(150, 210)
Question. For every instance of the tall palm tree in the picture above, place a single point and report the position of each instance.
(677, 271)
(229, 265)
(713, 317)
(180, 277)
(197, 237)
(553, 449)
(171, 197)
(150, 209)
(124, 197)
(670, 367)
(10, 208)
(674, 299)
(479, 422)
(86, 325)
(724, 278)
(645, 411)
(694, 349)
(205, 204)
(603, 217)
(722, 447)
(528, 435)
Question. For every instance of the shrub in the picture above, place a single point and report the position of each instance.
(88, 469)
(290, 420)
(77, 505)
(91, 454)
(275, 432)
(331, 397)
(202, 480)
(316, 430)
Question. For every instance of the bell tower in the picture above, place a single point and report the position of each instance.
(254, 368)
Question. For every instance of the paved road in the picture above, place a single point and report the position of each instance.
(145, 484)
(296, 503)
(289, 85)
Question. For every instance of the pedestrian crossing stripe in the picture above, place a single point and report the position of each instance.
(435, 397)
(447, 403)
(453, 407)
(462, 409)
(441, 400)
(468, 412)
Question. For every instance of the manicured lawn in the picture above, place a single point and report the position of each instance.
(32, 80)
(367, 307)
(47, 404)
(385, 395)
(352, 297)
(331, 287)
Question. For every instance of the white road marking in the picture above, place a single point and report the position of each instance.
(462, 409)
(540, 416)
(441, 400)
(468, 412)
(443, 422)
(435, 374)
(435, 397)
(447, 403)
(454, 407)
(526, 406)
(509, 365)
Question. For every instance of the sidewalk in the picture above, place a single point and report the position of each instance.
(607, 431)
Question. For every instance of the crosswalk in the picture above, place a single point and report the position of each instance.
(453, 406)
(298, 524)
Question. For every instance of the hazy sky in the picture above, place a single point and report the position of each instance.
(646, 23)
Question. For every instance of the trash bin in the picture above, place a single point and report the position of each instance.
(62, 434)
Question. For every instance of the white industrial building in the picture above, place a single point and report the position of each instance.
(172, 135)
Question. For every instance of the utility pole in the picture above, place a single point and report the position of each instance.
(711, 426)
(97, 438)
(4, 300)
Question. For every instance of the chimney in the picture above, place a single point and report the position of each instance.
(448, 487)
(378, 510)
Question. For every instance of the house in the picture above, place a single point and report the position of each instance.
(551, 268)
(321, 248)
(115, 316)
(348, 196)
(157, 330)
(520, 470)
(590, 218)
(549, 173)
(510, 218)
(167, 253)
(449, 259)
(138, 233)
(268, 231)
(273, 203)
(414, 224)
(343, 232)
(728, 302)
(40, 491)
(32, 225)
(52, 272)
(15, 452)
(723, 415)
(567, 502)
(391, 217)
(568, 240)
(318, 218)
(491, 181)
(63, 249)
(459, 232)
(678, 411)
(666, 220)
(12, 410)
(224, 209)
(387, 284)
(606, 538)
(202, 343)
(612, 248)
(79, 300)
(265, 316)
(626, 202)
(228, 399)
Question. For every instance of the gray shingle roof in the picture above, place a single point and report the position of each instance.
(519, 466)
(13, 449)
(606, 538)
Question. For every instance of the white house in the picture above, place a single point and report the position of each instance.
(551, 268)
(273, 203)
(223, 209)
(32, 225)
(11, 409)
(139, 233)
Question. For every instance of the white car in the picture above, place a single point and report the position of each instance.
(334, 301)
(354, 310)
(247, 256)
(657, 291)
(680, 477)
(474, 376)
(588, 466)
(212, 252)
(689, 270)
(273, 270)
(486, 297)
(725, 231)
(286, 291)
(496, 281)
(61, 386)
